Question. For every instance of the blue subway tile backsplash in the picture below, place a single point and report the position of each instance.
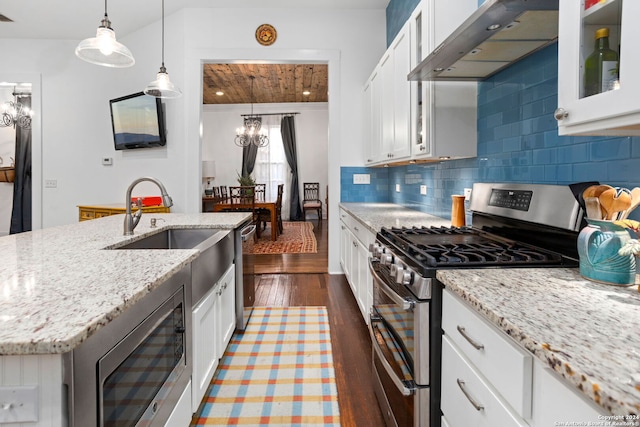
(518, 141)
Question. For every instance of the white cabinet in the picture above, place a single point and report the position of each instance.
(444, 114)
(354, 253)
(421, 121)
(490, 380)
(227, 312)
(213, 322)
(387, 100)
(612, 112)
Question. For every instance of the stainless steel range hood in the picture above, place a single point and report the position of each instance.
(496, 35)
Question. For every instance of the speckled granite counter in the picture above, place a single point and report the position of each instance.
(587, 332)
(60, 284)
(377, 215)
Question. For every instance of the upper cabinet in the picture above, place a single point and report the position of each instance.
(598, 67)
(387, 103)
(413, 120)
(445, 124)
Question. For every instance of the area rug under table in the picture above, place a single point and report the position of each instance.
(297, 238)
(279, 372)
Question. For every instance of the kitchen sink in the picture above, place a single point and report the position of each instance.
(178, 238)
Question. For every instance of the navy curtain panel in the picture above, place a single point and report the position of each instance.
(21, 211)
(288, 131)
(249, 154)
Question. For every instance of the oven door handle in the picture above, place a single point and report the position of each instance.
(406, 305)
(400, 384)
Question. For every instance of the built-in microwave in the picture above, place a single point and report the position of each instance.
(133, 371)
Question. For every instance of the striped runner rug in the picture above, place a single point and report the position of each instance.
(279, 372)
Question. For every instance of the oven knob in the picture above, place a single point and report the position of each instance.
(394, 269)
(386, 259)
(404, 277)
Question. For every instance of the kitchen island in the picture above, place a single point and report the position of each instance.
(63, 286)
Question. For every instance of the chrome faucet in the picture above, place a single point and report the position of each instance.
(131, 221)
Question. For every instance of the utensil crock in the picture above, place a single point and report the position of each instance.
(598, 245)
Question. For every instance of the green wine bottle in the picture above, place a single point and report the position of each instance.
(601, 67)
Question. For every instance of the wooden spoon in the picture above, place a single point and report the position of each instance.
(614, 201)
(635, 201)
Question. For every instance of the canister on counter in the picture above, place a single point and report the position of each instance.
(457, 211)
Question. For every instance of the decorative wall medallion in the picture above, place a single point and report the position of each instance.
(266, 35)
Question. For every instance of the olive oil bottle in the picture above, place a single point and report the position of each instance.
(601, 67)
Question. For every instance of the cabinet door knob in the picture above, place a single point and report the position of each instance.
(560, 113)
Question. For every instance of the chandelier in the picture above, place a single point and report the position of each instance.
(13, 113)
(251, 132)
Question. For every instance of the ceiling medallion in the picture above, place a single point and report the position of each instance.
(266, 35)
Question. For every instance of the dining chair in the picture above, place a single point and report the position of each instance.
(223, 192)
(261, 190)
(265, 215)
(244, 197)
(216, 193)
(311, 200)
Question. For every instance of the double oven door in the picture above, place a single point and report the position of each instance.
(406, 340)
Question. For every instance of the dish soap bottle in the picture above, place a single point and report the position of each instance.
(601, 67)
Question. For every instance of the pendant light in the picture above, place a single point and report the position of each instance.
(162, 87)
(103, 49)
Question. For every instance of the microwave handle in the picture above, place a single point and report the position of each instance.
(406, 305)
(406, 391)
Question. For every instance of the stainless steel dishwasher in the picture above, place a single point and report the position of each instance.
(245, 276)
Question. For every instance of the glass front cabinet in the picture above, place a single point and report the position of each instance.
(598, 68)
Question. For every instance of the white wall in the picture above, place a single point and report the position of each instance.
(219, 123)
(76, 131)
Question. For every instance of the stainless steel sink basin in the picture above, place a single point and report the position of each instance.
(178, 238)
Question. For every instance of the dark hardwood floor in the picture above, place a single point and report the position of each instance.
(296, 263)
(297, 280)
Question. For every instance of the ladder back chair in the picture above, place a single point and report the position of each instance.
(311, 200)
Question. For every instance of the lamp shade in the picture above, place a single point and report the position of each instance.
(103, 49)
(208, 169)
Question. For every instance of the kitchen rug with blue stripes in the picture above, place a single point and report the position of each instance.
(279, 372)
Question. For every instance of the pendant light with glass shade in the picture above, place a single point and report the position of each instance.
(162, 87)
(103, 49)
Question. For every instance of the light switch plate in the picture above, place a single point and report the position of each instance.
(423, 190)
(107, 161)
(467, 194)
(19, 404)
(397, 188)
(50, 183)
(361, 178)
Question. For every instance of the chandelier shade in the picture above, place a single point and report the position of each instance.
(162, 87)
(251, 132)
(104, 49)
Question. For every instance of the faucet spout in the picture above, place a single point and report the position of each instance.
(131, 221)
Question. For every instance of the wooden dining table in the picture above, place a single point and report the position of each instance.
(226, 204)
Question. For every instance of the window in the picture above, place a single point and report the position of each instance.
(271, 165)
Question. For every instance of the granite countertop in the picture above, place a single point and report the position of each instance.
(586, 331)
(377, 215)
(59, 285)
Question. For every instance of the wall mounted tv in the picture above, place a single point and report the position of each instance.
(137, 121)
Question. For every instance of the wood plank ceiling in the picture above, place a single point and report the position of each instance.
(274, 83)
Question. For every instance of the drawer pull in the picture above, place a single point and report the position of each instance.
(475, 404)
(474, 343)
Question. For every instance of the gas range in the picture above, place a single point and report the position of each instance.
(513, 225)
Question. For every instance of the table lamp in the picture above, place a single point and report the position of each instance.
(208, 173)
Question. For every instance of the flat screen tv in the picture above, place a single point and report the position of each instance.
(137, 121)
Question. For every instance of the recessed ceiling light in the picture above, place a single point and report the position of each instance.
(493, 27)
(306, 93)
(219, 93)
